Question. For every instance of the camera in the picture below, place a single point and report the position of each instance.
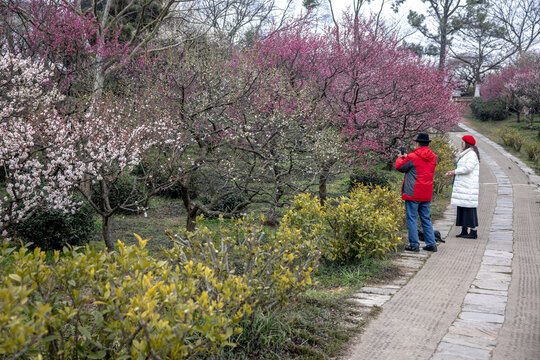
(402, 150)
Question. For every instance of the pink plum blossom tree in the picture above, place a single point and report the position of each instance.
(384, 94)
(517, 85)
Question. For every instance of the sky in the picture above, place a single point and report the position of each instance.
(387, 13)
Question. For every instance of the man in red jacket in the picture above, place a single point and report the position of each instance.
(417, 190)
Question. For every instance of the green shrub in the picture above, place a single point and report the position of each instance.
(276, 265)
(54, 229)
(370, 177)
(363, 225)
(229, 202)
(532, 149)
(446, 161)
(491, 110)
(119, 305)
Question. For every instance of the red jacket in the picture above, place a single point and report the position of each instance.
(419, 167)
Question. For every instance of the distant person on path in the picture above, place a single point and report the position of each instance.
(417, 191)
(466, 187)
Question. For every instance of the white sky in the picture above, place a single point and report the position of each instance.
(387, 13)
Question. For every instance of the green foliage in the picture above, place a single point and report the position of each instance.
(363, 225)
(54, 229)
(511, 137)
(532, 149)
(370, 177)
(125, 191)
(229, 202)
(119, 305)
(446, 161)
(491, 110)
(276, 265)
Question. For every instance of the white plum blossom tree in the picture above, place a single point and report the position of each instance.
(37, 143)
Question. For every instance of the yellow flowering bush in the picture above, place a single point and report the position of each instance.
(446, 161)
(90, 304)
(364, 224)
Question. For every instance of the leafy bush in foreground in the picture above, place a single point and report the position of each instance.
(119, 305)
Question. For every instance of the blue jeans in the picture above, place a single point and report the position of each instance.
(421, 208)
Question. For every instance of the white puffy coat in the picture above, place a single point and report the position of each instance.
(466, 181)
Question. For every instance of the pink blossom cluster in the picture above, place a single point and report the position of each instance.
(375, 92)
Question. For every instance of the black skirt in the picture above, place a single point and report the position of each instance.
(466, 217)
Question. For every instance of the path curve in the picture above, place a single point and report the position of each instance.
(473, 299)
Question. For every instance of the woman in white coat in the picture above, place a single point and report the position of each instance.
(466, 187)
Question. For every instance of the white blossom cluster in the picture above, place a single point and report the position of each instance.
(37, 145)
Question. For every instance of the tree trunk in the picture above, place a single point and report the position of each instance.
(191, 217)
(191, 212)
(106, 232)
(323, 179)
(477, 89)
(518, 116)
(443, 44)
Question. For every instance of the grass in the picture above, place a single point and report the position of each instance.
(489, 129)
(317, 324)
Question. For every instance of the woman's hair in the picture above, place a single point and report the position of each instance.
(475, 149)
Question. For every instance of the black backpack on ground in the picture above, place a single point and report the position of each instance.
(437, 233)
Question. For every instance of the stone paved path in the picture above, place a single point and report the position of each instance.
(473, 299)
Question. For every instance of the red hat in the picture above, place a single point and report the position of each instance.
(469, 139)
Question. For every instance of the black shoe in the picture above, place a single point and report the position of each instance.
(412, 248)
(464, 233)
(430, 248)
(472, 235)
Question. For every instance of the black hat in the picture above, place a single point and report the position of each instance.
(422, 138)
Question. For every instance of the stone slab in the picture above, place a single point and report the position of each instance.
(493, 275)
(495, 260)
(495, 308)
(475, 342)
(481, 317)
(366, 299)
(491, 284)
(448, 350)
(499, 253)
(381, 291)
(496, 268)
(486, 326)
(499, 246)
(473, 332)
(472, 298)
(491, 292)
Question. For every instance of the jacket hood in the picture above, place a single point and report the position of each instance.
(425, 154)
